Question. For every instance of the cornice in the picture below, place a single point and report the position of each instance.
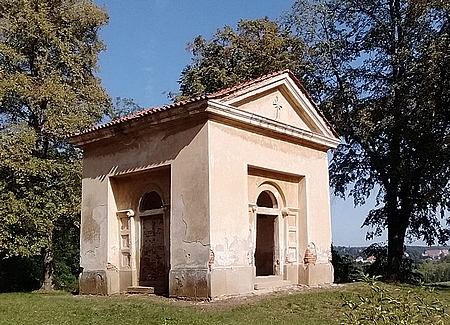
(228, 114)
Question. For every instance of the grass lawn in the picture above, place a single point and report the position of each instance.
(309, 306)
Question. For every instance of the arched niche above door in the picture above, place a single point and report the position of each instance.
(151, 201)
(266, 199)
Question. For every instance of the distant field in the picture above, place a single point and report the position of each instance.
(308, 306)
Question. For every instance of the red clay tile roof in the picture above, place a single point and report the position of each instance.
(216, 95)
(136, 115)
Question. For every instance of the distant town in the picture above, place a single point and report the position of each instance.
(416, 253)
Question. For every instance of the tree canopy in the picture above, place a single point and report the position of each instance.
(379, 71)
(383, 69)
(255, 48)
(48, 89)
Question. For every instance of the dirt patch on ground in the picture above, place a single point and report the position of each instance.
(231, 301)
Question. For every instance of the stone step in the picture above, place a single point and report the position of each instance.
(271, 284)
(141, 289)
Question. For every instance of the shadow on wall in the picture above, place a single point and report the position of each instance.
(157, 148)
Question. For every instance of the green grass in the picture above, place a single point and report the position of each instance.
(322, 306)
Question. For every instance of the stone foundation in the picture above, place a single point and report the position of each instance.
(231, 280)
(316, 274)
(93, 283)
(192, 283)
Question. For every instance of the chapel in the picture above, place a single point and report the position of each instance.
(221, 194)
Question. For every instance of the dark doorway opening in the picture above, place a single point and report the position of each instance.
(265, 245)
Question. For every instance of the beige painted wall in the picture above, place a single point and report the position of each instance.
(184, 148)
(212, 231)
(231, 151)
(210, 174)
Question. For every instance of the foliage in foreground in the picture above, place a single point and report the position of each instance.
(408, 272)
(346, 270)
(309, 307)
(394, 305)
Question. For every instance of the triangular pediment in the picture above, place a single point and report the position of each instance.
(281, 99)
(275, 104)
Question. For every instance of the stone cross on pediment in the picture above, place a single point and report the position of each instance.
(277, 107)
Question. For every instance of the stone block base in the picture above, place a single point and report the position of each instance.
(93, 283)
(190, 283)
(315, 274)
(231, 280)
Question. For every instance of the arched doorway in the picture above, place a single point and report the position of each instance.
(153, 252)
(266, 253)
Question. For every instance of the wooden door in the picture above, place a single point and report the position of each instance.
(153, 265)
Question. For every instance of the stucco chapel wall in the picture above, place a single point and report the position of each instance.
(232, 150)
(184, 149)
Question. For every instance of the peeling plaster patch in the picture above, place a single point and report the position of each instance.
(188, 258)
(93, 282)
(186, 227)
(89, 257)
(182, 215)
(233, 253)
(250, 257)
(100, 213)
(112, 267)
(323, 254)
(315, 254)
(90, 230)
(189, 283)
(92, 224)
(310, 254)
(211, 259)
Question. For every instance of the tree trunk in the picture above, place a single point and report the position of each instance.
(397, 221)
(396, 238)
(397, 225)
(48, 265)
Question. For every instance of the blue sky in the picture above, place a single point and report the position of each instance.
(146, 52)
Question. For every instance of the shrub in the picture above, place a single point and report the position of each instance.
(408, 271)
(20, 273)
(434, 272)
(345, 269)
(383, 305)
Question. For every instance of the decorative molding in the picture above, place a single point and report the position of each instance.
(287, 211)
(277, 108)
(238, 116)
(125, 213)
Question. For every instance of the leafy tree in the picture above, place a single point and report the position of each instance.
(409, 272)
(345, 268)
(255, 48)
(382, 67)
(48, 57)
(122, 107)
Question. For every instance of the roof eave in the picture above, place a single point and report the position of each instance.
(132, 124)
